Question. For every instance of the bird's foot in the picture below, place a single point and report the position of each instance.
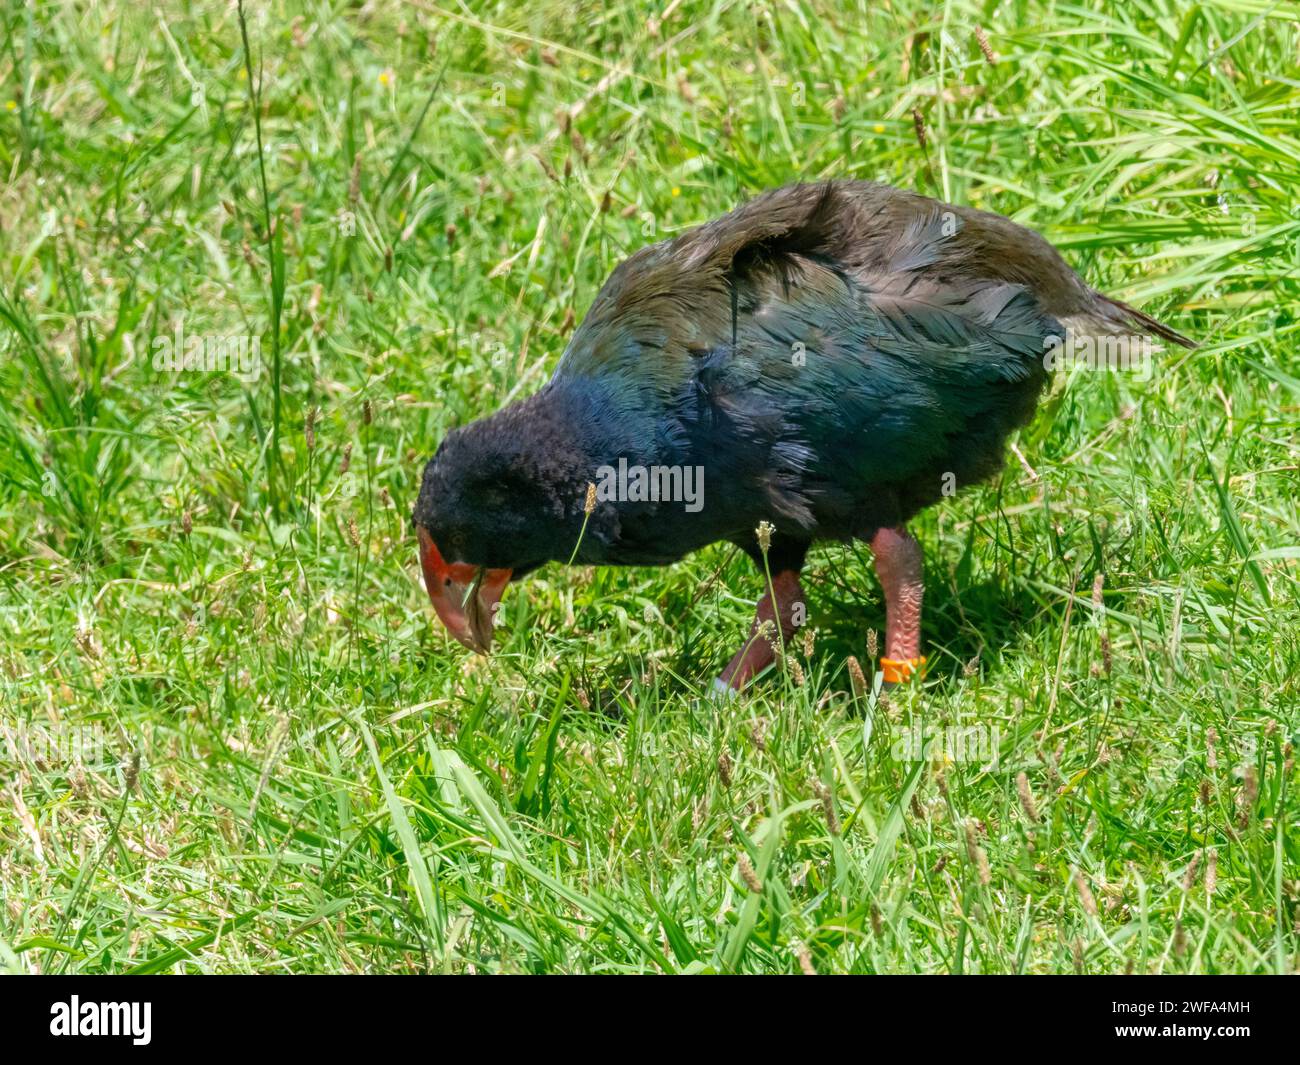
(900, 670)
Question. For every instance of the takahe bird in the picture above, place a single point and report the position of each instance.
(827, 358)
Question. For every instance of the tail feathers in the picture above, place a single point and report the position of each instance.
(1118, 313)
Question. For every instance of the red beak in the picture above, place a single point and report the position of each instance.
(464, 596)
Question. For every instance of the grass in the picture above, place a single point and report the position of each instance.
(282, 763)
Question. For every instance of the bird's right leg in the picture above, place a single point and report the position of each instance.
(783, 606)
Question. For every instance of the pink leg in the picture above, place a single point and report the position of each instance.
(898, 564)
(758, 653)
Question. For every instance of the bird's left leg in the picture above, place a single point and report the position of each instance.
(783, 606)
(898, 565)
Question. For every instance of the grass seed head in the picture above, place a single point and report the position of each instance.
(1026, 797)
(1086, 899)
(132, 773)
(856, 677)
(1247, 797)
(827, 798)
(724, 769)
(354, 182)
(977, 856)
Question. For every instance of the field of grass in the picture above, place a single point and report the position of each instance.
(234, 739)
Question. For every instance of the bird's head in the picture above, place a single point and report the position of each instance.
(492, 506)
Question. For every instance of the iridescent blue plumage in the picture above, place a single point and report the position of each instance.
(825, 352)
